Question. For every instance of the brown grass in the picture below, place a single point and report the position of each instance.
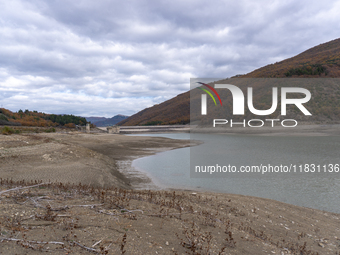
(74, 219)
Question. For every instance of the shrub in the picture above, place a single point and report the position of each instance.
(50, 130)
(3, 117)
(315, 69)
(7, 131)
(70, 125)
(153, 123)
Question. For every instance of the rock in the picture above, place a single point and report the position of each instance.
(166, 243)
(321, 245)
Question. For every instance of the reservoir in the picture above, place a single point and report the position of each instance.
(304, 187)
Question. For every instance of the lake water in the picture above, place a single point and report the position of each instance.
(317, 190)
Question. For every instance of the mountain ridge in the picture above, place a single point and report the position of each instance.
(103, 121)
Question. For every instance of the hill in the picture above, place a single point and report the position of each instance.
(324, 104)
(322, 61)
(4, 120)
(104, 122)
(38, 119)
(173, 111)
(93, 120)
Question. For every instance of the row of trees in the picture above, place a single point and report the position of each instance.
(39, 119)
(67, 119)
(316, 69)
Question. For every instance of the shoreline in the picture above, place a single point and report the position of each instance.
(300, 130)
(309, 200)
(101, 160)
(154, 221)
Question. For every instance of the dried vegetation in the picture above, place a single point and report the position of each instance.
(61, 218)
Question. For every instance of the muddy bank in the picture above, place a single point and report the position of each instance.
(94, 159)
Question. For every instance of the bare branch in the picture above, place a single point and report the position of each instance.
(97, 243)
(166, 214)
(85, 205)
(69, 206)
(112, 214)
(19, 188)
(84, 247)
(130, 211)
(36, 203)
(126, 211)
(36, 242)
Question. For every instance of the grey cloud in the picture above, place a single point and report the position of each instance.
(57, 56)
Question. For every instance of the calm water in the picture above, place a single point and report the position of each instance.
(314, 190)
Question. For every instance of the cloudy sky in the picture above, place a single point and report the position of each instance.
(107, 57)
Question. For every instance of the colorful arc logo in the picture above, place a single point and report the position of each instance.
(208, 92)
(204, 97)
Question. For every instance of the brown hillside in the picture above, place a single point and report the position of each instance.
(320, 61)
(326, 55)
(324, 104)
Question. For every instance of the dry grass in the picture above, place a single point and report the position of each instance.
(79, 219)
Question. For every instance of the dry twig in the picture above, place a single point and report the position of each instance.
(19, 188)
(36, 242)
(84, 247)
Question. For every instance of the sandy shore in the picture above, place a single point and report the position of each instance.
(95, 159)
(155, 222)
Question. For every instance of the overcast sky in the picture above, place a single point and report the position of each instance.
(102, 58)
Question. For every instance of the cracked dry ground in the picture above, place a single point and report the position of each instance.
(79, 219)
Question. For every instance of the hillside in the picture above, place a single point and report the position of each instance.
(4, 120)
(322, 61)
(38, 119)
(324, 104)
(104, 122)
(173, 111)
(93, 120)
